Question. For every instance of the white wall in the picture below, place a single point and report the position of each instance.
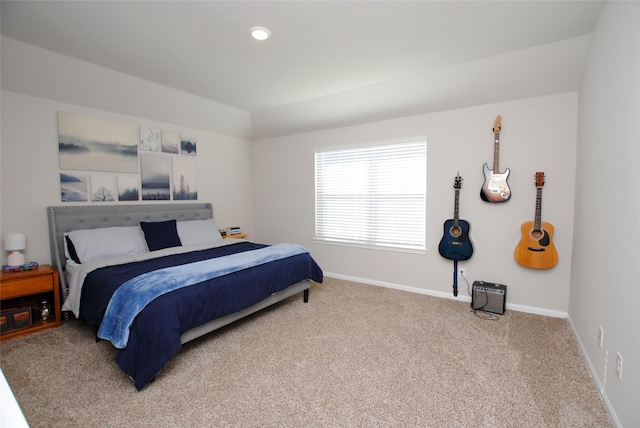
(30, 174)
(605, 289)
(538, 134)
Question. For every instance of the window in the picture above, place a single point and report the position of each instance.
(373, 196)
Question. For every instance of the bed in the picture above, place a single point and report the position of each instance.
(150, 278)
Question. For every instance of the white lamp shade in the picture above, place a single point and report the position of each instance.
(15, 242)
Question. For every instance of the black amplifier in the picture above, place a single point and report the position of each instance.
(489, 297)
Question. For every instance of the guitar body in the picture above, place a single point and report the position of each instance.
(536, 249)
(495, 187)
(455, 243)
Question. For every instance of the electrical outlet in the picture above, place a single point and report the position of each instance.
(462, 272)
(619, 365)
(600, 336)
(604, 374)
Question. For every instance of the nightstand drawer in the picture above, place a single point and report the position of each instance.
(26, 286)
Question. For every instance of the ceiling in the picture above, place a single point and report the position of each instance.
(328, 63)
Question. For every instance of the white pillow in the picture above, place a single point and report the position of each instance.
(107, 242)
(198, 232)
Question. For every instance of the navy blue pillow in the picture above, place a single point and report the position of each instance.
(71, 249)
(160, 234)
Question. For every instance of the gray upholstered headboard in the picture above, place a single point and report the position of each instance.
(64, 219)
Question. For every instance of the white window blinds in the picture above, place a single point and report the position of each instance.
(373, 196)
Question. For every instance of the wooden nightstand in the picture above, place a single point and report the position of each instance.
(27, 288)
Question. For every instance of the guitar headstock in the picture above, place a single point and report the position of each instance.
(457, 182)
(497, 125)
(539, 179)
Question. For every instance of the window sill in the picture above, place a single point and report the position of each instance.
(353, 244)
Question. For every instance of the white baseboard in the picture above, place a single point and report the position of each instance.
(462, 294)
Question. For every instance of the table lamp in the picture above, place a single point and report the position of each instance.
(15, 242)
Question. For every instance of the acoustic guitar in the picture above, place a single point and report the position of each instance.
(495, 187)
(536, 249)
(455, 243)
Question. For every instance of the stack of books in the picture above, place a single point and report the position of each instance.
(20, 268)
(233, 230)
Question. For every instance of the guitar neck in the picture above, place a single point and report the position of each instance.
(496, 152)
(455, 209)
(538, 217)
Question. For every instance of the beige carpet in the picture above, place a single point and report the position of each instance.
(355, 355)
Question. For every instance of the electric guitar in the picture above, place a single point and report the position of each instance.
(495, 187)
(535, 249)
(455, 243)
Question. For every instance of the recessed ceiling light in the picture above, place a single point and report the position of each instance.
(260, 33)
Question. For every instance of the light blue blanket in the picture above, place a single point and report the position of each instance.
(132, 296)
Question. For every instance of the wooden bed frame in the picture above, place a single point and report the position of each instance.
(64, 219)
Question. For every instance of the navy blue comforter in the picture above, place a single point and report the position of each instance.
(155, 335)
